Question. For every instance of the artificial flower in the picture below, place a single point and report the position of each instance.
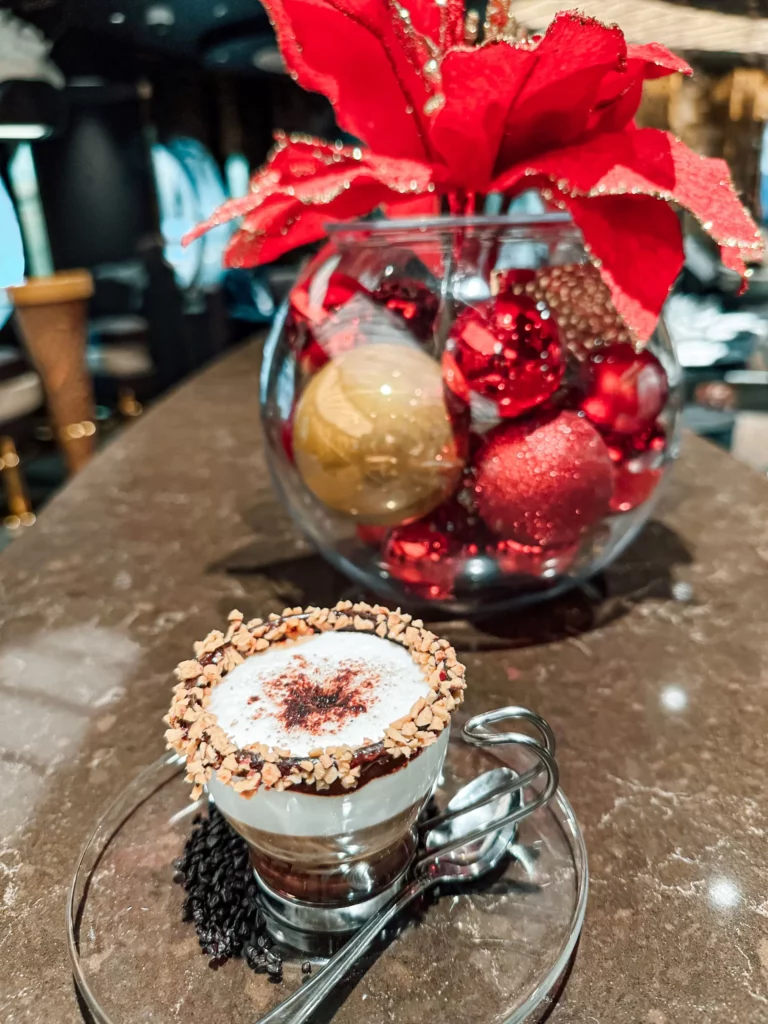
(444, 118)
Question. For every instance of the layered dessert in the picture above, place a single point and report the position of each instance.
(319, 734)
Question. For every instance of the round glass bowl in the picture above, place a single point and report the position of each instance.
(134, 959)
(456, 415)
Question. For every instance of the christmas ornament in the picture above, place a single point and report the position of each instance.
(424, 556)
(373, 438)
(632, 487)
(431, 554)
(372, 536)
(509, 351)
(323, 318)
(627, 390)
(533, 560)
(412, 301)
(637, 465)
(581, 304)
(443, 118)
(544, 482)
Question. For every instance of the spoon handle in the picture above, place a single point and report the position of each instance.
(302, 1003)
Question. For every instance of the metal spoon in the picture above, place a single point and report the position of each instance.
(464, 843)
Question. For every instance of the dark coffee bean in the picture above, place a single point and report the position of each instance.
(306, 967)
(222, 898)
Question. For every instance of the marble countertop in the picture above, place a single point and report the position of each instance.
(657, 688)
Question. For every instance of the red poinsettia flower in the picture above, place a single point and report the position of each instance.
(444, 118)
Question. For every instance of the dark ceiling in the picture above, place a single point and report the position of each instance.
(224, 33)
(231, 34)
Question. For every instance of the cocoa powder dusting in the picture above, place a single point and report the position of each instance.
(317, 705)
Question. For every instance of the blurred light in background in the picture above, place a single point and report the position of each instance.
(189, 189)
(160, 15)
(238, 174)
(23, 179)
(11, 252)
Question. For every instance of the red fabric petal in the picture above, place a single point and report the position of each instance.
(305, 184)
(657, 61)
(622, 91)
(555, 103)
(422, 206)
(577, 80)
(639, 245)
(356, 54)
(632, 164)
(466, 132)
(442, 23)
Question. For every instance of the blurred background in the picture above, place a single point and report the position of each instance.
(125, 122)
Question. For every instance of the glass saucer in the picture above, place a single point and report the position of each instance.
(492, 955)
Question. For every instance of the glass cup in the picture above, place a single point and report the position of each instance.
(335, 850)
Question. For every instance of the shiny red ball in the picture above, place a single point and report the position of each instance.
(626, 390)
(532, 559)
(544, 482)
(637, 466)
(424, 556)
(632, 487)
(322, 319)
(509, 350)
(372, 536)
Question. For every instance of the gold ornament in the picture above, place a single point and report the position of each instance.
(372, 436)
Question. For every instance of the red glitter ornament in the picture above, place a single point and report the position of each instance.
(544, 482)
(627, 390)
(412, 301)
(509, 350)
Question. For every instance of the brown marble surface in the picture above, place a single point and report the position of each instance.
(657, 687)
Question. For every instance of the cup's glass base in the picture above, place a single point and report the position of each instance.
(316, 928)
(519, 926)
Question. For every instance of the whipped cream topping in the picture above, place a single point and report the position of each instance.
(331, 689)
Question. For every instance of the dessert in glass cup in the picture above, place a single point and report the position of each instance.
(319, 734)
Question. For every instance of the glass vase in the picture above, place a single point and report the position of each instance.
(456, 415)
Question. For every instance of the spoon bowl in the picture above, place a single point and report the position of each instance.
(474, 859)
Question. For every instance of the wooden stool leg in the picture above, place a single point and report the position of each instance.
(19, 508)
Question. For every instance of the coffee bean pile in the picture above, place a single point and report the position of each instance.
(222, 897)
